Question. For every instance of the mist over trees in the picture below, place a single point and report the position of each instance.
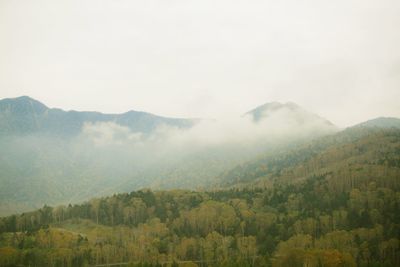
(330, 202)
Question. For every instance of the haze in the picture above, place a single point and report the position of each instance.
(206, 59)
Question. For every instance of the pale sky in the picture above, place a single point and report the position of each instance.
(204, 58)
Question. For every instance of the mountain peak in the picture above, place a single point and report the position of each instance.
(22, 105)
(268, 108)
(288, 112)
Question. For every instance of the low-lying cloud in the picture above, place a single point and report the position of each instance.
(279, 125)
(106, 157)
(109, 133)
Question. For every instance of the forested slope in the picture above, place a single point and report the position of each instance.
(353, 156)
(332, 202)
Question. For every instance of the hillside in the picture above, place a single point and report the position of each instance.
(353, 154)
(382, 122)
(331, 202)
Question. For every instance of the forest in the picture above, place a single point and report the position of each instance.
(331, 202)
(199, 133)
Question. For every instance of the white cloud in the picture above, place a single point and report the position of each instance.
(109, 133)
(280, 125)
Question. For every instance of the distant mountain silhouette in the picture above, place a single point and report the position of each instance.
(24, 115)
(288, 110)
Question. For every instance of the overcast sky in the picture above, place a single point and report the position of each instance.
(204, 58)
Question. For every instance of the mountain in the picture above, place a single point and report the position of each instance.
(50, 156)
(24, 115)
(330, 198)
(381, 122)
(289, 111)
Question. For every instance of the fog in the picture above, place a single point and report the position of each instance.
(210, 146)
(281, 124)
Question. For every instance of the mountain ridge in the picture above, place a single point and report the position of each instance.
(25, 115)
(380, 122)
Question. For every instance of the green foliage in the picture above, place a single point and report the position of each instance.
(331, 205)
